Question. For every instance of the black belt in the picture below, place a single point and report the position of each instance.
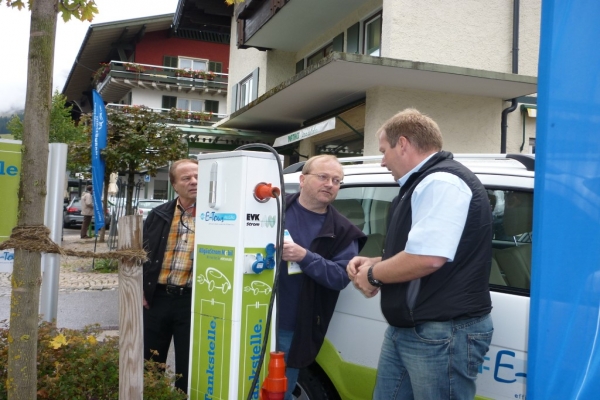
(175, 290)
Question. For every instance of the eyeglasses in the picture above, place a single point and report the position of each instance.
(327, 178)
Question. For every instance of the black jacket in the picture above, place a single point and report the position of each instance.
(317, 303)
(156, 234)
(459, 288)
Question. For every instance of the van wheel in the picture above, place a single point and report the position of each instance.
(314, 385)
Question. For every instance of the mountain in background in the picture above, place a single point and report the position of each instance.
(4, 119)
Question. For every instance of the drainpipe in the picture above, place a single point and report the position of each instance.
(515, 70)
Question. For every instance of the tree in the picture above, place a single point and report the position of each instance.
(139, 138)
(25, 282)
(63, 129)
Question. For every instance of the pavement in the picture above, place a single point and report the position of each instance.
(71, 281)
(76, 274)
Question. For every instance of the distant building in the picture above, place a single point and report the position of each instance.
(177, 64)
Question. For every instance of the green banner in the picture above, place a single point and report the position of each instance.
(10, 173)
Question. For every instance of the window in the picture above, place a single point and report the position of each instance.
(192, 64)
(316, 57)
(512, 213)
(367, 207)
(245, 92)
(215, 66)
(169, 61)
(211, 106)
(190, 105)
(169, 102)
(372, 39)
(160, 189)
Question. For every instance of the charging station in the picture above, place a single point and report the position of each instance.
(236, 232)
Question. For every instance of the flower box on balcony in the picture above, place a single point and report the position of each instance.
(132, 67)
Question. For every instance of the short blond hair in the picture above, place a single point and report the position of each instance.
(420, 130)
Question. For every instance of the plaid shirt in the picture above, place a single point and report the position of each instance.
(178, 262)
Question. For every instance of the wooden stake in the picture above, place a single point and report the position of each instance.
(131, 338)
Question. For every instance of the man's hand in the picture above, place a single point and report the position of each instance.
(293, 252)
(146, 305)
(357, 262)
(362, 283)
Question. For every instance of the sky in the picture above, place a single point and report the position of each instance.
(14, 31)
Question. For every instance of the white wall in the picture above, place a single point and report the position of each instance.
(241, 64)
(281, 65)
(467, 33)
(468, 124)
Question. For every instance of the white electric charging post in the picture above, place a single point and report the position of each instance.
(233, 273)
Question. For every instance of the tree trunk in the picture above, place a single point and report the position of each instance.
(130, 185)
(26, 277)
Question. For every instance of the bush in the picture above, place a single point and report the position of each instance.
(76, 364)
(103, 265)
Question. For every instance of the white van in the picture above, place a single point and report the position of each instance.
(346, 366)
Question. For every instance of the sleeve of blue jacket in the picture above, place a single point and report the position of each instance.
(329, 273)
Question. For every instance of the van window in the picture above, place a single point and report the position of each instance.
(512, 212)
(367, 207)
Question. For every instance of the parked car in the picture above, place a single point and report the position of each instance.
(143, 207)
(364, 198)
(72, 215)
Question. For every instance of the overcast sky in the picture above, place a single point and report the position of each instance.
(14, 31)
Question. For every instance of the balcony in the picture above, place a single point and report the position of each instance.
(289, 25)
(177, 117)
(115, 79)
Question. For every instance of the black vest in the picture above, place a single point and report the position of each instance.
(458, 289)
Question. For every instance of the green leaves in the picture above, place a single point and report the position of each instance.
(139, 138)
(83, 10)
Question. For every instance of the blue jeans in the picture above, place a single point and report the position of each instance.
(434, 360)
(285, 341)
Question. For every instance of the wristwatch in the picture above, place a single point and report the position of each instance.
(373, 281)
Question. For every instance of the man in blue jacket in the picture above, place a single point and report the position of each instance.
(322, 242)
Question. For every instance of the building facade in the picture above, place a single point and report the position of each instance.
(176, 64)
(296, 63)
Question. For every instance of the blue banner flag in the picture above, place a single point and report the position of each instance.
(99, 133)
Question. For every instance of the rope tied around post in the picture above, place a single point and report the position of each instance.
(36, 238)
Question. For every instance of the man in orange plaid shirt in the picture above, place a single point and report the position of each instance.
(169, 241)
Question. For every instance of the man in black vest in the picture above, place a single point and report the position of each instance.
(435, 268)
(320, 243)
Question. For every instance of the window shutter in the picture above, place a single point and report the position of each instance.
(300, 65)
(211, 106)
(169, 61)
(215, 66)
(352, 46)
(254, 85)
(338, 42)
(234, 99)
(169, 102)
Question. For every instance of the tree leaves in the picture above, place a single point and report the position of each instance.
(83, 10)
